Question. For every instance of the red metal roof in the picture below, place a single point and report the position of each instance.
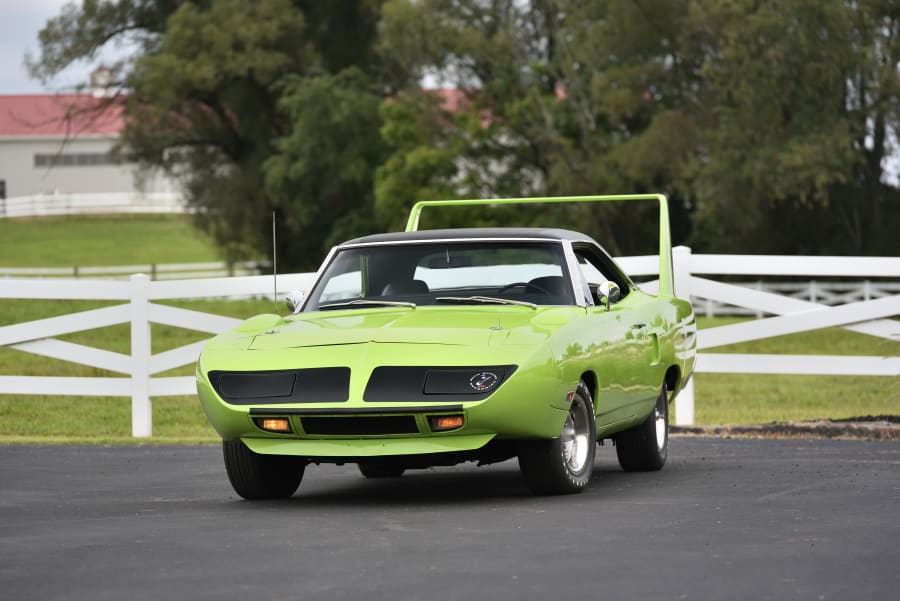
(58, 115)
(45, 115)
(453, 100)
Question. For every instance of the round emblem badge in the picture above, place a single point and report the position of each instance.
(483, 381)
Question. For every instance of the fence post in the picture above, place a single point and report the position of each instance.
(141, 408)
(681, 264)
(759, 286)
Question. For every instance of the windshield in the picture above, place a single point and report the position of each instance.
(427, 273)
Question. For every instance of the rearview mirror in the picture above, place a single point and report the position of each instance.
(294, 301)
(608, 292)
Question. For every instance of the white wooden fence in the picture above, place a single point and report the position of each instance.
(821, 292)
(140, 365)
(58, 203)
(789, 315)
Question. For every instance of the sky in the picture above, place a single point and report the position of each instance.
(20, 22)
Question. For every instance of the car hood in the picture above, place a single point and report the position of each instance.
(459, 326)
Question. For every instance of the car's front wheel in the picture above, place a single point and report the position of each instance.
(645, 447)
(564, 464)
(254, 476)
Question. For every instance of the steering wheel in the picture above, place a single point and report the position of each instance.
(525, 285)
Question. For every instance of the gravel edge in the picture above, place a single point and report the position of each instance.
(882, 427)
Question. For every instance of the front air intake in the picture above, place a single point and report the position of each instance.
(360, 425)
(284, 386)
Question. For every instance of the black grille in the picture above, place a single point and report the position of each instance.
(360, 425)
(314, 385)
(389, 384)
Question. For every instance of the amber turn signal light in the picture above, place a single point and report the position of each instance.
(440, 423)
(273, 424)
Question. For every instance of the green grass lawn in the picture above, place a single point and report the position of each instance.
(758, 399)
(761, 399)
(88, 241)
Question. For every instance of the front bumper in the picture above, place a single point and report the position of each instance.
(528, 405)
(367, 447)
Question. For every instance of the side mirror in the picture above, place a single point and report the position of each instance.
(294, 301)
(608, 292)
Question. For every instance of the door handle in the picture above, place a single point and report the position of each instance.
(638, 326)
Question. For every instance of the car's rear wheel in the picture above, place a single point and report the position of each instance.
(254, 476)
(564, 464)
(644, 448)
(375, 469)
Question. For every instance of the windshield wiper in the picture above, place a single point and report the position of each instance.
(487, 300)
(369, 303)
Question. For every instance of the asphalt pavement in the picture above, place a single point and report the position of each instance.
(725, 520)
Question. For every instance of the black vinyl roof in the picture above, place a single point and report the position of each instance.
(474, 234)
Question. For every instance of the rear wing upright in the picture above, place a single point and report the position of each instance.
(666, 278)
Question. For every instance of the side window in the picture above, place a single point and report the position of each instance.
(598, 269)
(346, 279)
(342, 287)
(591, 272)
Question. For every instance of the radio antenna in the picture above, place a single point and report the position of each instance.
(274, 265)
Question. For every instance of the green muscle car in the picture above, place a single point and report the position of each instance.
(428, 348)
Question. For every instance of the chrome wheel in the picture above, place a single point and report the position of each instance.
(576, 437)
(662, 430)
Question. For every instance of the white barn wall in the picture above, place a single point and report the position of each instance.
(23, 178)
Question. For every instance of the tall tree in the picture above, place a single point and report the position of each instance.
(82, 30)
(209, 102)
(323, 168)
(757, 118)
(779, 134)
(557, 95)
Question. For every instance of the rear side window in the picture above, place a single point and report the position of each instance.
(597, 268)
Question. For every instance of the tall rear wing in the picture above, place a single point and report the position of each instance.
(666, 280)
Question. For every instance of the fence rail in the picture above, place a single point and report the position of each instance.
(140, 367)
(829, 293)
(814, 291)
(161, 271)
(57, 203)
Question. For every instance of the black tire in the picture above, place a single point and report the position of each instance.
(563, 465)
(376, 469)
(645, 447)
(254, 476)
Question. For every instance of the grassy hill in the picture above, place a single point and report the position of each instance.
(102, 240)
(88, 241)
